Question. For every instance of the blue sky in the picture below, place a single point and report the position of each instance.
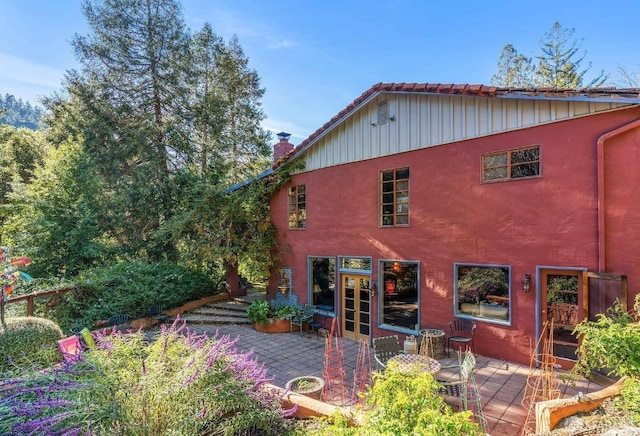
(315, 57)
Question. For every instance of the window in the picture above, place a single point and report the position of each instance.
(483, 291)
(394, 197)
(512, 164)
(399, 293)
(355, 264)
(322, 271)
(297, 207)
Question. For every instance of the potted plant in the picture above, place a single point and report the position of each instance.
(308, 385)
(259, 311)
(268, 319)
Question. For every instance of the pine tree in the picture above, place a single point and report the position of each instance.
(514, 69)
(559, 65)
(133, 94)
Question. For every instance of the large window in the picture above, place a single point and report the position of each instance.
(297, 207)
(322, 272)
(483, 291)
(394, 197)
(512, 164)
(399, 293)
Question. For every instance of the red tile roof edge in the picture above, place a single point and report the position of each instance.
(457, 89)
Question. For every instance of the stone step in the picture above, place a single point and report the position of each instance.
(232, 306)
(218, 319)
(212, 310)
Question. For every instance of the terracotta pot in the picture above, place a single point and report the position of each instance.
(277, 326)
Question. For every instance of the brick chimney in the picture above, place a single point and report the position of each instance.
(282, 148)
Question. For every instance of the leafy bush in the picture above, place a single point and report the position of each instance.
(129, 288)
(405, 404)
(182, 383)
(612, 341)
(26, 341)
(261, 311)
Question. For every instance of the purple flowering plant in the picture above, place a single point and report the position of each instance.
(180, 382)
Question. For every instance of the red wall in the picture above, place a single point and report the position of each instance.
(546, 221)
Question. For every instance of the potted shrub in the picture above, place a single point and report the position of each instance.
(269, 319)
(260, 311)
(308, 385)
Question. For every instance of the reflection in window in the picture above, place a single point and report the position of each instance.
(355, 264)
(512, 164)
(297, 207)
(323, 273)
(394, 197)
(399, 292)
(483, 291)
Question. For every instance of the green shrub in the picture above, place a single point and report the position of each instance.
(405, 404)
(261, 311)
(129, 288)
(26, 341)
(612, 341)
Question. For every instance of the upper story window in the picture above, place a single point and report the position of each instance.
(511, 164)
(297, 207)
(394, 197)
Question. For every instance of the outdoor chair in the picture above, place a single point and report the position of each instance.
(120, 322)
(305, 316)
(459, 386)
(384, 348)
(462, 331)
(70, 348)
(157, 313)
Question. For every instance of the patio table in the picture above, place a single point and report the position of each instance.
(408, 362)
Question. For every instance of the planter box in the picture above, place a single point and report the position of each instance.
(277, 326)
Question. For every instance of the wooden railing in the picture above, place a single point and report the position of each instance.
(31, 298)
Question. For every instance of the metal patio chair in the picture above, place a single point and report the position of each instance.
(306, 316)
(120, 322)
(385, 348)
(462, 331)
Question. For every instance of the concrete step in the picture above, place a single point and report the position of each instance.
(217, 319)
(218, 310)
(232, 306)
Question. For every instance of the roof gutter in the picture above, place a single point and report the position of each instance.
(600, 162)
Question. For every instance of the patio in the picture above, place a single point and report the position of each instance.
(289, 355)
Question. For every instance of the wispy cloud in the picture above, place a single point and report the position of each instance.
(227, 23)
(24, 71)
(285, 43)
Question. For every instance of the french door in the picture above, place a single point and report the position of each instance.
(356, 306)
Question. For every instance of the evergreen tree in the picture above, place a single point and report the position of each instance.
(559, 65)
(246, 145)
(17, 113)
(133, 95)
(514, 69)
(21, 151)
(55, 218)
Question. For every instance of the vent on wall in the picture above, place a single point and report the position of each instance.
(383, 113)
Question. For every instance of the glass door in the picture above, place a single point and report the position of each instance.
(356, 306)
(562, 306)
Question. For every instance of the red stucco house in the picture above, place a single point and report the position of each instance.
(421, 203)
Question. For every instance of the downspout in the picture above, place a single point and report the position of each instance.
(600, 163)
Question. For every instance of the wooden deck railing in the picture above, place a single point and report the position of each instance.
(30, 298)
